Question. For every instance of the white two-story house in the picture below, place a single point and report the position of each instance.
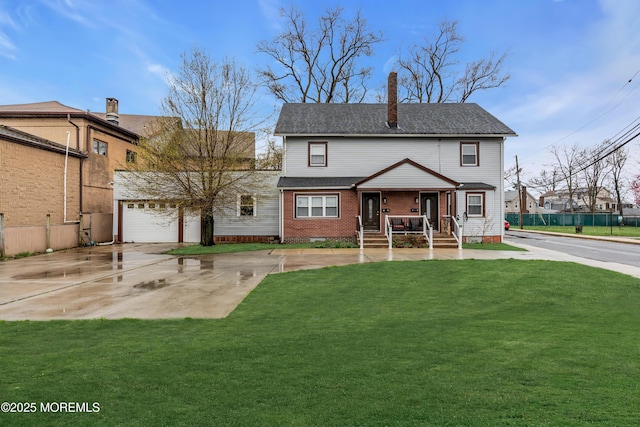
(353, 167)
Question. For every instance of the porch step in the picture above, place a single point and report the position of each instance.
(444, 241)
(375, 241)
(440, 240)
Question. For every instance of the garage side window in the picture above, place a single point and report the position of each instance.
(246, 205)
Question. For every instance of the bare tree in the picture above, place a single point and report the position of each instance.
(616, 161)
(319, 65)
(271, 157)
(547, 180)
(594, 171)
(430, 72)
(567, 163)
(199, 154)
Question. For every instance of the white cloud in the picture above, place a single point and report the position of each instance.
(271, 12)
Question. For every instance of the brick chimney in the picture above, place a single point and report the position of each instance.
(112, 111)
(523, 202)
(392, 100)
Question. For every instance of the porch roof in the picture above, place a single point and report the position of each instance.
(340, 182)
(470, 186)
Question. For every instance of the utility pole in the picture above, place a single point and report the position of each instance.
(519, 195)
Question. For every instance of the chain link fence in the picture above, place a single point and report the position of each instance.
(569, 219)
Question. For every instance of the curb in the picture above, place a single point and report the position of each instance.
(582, 236)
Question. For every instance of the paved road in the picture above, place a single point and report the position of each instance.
(606, 251)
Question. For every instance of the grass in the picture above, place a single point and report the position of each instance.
(633, 232)
(482, 343)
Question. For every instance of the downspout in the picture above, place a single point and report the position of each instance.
(64, 192)
(81, 158)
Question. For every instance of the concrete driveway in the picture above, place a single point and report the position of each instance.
(139, 281)
(130, 280)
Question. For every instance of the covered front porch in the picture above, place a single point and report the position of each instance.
(408, 218)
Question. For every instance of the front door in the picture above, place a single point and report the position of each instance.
(429, 207)
(371, 211)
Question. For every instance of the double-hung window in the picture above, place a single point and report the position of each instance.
(246, 205)
(318, 154)
(317, 206)
(475, 204)
(469, 154)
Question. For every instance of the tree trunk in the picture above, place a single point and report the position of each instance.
(206, 229)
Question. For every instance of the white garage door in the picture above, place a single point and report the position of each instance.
(155, 223)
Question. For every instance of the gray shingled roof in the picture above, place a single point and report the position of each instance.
(323, 182)
(370, 119)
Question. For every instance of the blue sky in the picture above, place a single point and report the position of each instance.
(570, 61)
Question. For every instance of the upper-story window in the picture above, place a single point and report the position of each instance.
(100, 147)
(469, 154)
(132, 156)
(318, 154)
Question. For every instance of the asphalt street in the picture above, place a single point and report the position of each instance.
(619, 251)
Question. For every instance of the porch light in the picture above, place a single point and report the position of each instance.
(417, 200)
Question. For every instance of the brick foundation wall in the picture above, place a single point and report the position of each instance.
(246, 239)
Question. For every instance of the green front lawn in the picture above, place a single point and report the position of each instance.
(480, 343)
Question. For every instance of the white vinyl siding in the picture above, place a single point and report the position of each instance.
(362, 157)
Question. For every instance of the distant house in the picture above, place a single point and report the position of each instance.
(558, 201)
(512, 203)
(382, 163)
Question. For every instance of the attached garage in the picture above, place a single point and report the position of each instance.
(150, 222)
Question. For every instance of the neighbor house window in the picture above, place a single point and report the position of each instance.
(316, 206)
(100, 147)
(469, 153)
(317, 154)
(246, 205)
(132, 156)
(475, 204)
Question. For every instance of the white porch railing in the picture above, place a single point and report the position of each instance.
(360, 231)
(455, 228)
(407, 224)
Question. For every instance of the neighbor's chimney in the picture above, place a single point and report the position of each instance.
(392, 100)
(524, 200)
(112, 111)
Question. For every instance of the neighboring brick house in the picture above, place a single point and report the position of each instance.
(345, 163)
(104, 143)
(37, 210)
